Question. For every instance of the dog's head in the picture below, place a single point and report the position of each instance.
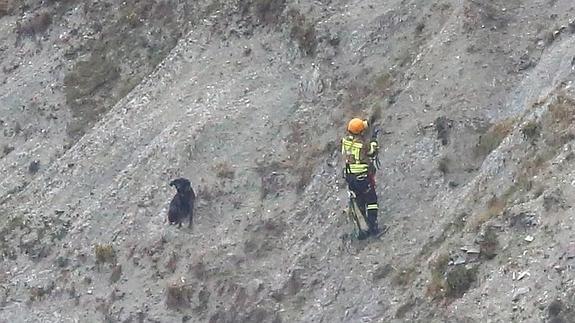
(181, 184)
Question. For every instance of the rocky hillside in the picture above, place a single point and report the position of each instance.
(103, 103)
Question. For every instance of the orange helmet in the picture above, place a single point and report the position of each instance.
(356, 126)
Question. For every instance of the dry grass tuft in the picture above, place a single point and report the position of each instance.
(493, 137)
(105, 253)
(495, 207)
(224, 170)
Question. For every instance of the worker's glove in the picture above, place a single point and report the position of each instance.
(373, 148)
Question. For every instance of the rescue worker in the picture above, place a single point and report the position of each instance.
(358, 153)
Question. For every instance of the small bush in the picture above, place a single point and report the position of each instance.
(449, 282)
(404, 277)
(562, 110)
(178, 295)
(38, 293)
(443, 127)
(419, 28)
(269, 11)
(37, 24)
(34, 167)
(116, 274)
(383, 84)
(531, 131)
(303, 32)
(459, 280)
(224, 170)
(443, 165)
(133, 19)
(437, 287)
(105, 253)
(172, 263)
(6, 149)
(405, 308)
(495, 207)
(382, 272)
(554, 308)
(272, 178)
(490, 244)
(62, 262)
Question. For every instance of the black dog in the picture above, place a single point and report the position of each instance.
(182, 205)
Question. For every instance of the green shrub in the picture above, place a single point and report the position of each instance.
(531, 131)
(459, 280)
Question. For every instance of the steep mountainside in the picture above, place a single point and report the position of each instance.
(103, 103)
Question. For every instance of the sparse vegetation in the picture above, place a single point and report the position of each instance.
(443, 165)
(459, 280)
(382, 272)
(272, 179)
(87, 78)
(449, 282)
(443, 128)
(383, 83)
(405, 308)
(404, 277)
(62, 262)
(489, 245)
(495, 207)
(450, 229)
(178, 295)
(493, 137)
(419, 28)
(116, 274)
(224, 170)
(34, 167)
(437, 286)
(266, 12)
(531, 131)
(269, 11)
(554, 308)
(38, 293)
(6, 149)
(105, 253)
(172, 263)
(302, 32)
(38, 23)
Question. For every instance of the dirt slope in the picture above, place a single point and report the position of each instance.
(476, 108)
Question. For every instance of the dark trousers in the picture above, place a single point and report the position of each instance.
(363, 187)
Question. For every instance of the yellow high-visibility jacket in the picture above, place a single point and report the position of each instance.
(356, 154)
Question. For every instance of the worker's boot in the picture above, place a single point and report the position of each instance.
(372, 222)
(362, 235)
